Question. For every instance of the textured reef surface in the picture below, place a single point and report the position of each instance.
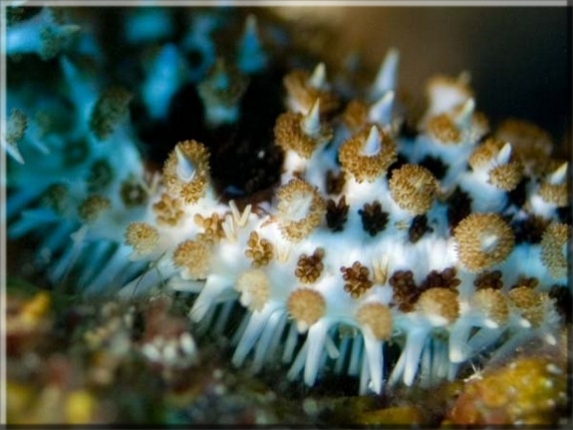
(211, 217)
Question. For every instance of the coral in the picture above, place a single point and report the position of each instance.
(367, 252)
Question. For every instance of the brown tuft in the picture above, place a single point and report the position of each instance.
(553, 255)
(259, 251)
(439, 302)
(256, 286)
(336, 214)
(289, 135)
(483, 240)
(374, 220)
(357, 279)
(298, 88)
(507, 176)
(168, 211)
(442, 128)
(405, 292)
(306, 306)
(530, 304)
(198, 155)
(212, 227)
(531, 144)
(300, 209)
(195, 257)
(377, 318)
(355, 116)
(413, 188)
(492, 304)
(485, 153)
(367, 167)
(142, 237)
(309, 268)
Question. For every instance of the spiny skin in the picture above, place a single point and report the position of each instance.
(330, 254)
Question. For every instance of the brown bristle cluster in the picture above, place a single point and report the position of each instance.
(55, 197)
(195, 257)
(442, 129)
(485, 153)
(526, 282)
(310, 267)
(294, 197)
(491, 280)
(256, 286)
(483, 240)
(142, 237)
(413, 188)
(492, 303)
(336, 214)
(367, 167)
(299, 89)
(439, 302)
(553, 255)
(405, 292)
(556, 194)
(306, 306)
(418, 228)
(374, 220)
(290, 135)
(529, 303)
(377, 318)
(507, 176)
(445, 279)
(168, 211)
(259, 251)
(357, 279)
(532, 145)
(132, 194)
(355, 115)
(92, 207)
(334, 182)
(212, 227)
(190, 191)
